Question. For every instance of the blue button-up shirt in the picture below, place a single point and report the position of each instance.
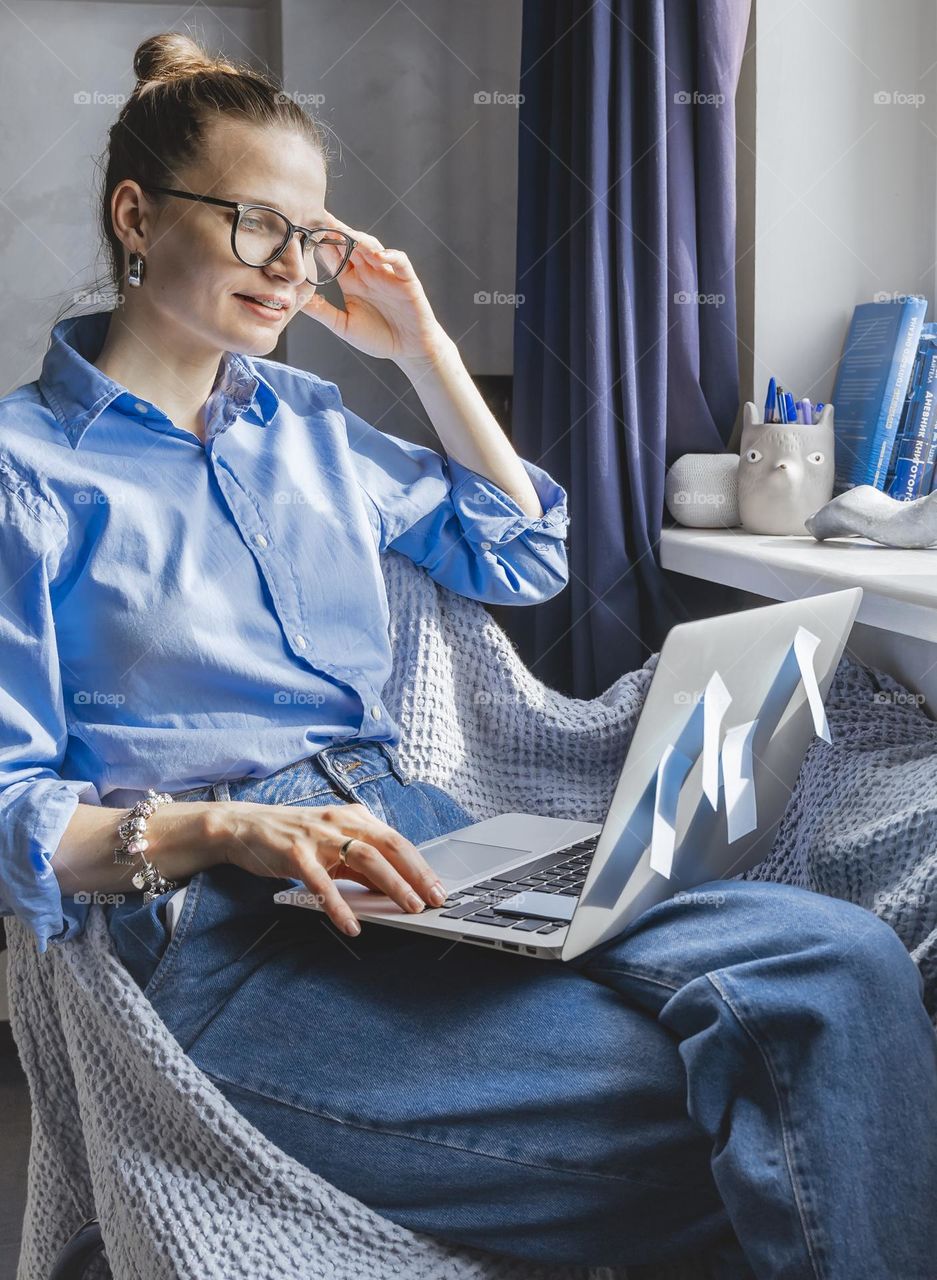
(174, 613)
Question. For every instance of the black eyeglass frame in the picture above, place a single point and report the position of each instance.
(241, 208)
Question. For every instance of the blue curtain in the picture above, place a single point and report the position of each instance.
(625, 343)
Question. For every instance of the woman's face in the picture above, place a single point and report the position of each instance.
(193, 279)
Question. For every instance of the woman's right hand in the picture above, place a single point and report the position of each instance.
(302, 843)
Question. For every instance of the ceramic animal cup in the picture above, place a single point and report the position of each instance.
(785, 471)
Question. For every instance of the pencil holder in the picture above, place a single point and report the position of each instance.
(785, 471)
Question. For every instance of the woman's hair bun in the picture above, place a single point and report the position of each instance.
(172, 55)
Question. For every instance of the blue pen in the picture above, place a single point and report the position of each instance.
(770, 401)
(781, 406)
(817, 410)
(791, 408)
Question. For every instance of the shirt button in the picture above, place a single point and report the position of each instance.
(300, 641)
(376, 712)
(260, 540)
(140, 408)
(485, 546)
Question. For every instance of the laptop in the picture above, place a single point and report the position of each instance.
(733, 705)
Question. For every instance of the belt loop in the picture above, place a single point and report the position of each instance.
(394, 760)
(220, 791)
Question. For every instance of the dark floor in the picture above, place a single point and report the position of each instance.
(14, 1106)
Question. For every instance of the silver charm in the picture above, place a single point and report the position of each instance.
(134, 842)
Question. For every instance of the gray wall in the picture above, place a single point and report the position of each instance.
(418, 161)
(51, 51)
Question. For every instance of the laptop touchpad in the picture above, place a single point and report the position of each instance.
(456, 860)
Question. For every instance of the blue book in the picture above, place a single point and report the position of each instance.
(912, 462)
(871, 386)
(901, 438)
(928, 404)
(929, 414)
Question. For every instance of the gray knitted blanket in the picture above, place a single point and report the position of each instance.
(861, 822)
(126, 1128)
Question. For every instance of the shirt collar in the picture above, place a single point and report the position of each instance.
(78, 393)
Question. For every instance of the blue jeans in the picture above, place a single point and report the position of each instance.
(746, 1072)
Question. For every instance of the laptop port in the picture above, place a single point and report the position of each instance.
(510, 946)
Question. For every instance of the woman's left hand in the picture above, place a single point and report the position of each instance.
(386, 314)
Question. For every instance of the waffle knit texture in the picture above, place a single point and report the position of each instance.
(128, 1129)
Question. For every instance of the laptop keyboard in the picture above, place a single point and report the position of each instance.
(562, 872)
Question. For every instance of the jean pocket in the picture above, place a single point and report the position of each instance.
(183, 927)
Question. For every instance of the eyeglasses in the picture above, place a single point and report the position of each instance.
(259, 235)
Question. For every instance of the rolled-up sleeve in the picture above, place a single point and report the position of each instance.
(465, 531)
(36, 803)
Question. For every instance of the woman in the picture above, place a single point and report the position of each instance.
(193, 603)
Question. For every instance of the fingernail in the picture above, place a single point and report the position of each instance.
(437, 893)
(414, 903)
(352, 927)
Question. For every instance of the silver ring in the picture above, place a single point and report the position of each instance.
(341, 852)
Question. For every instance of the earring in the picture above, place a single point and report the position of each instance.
(137, 270)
